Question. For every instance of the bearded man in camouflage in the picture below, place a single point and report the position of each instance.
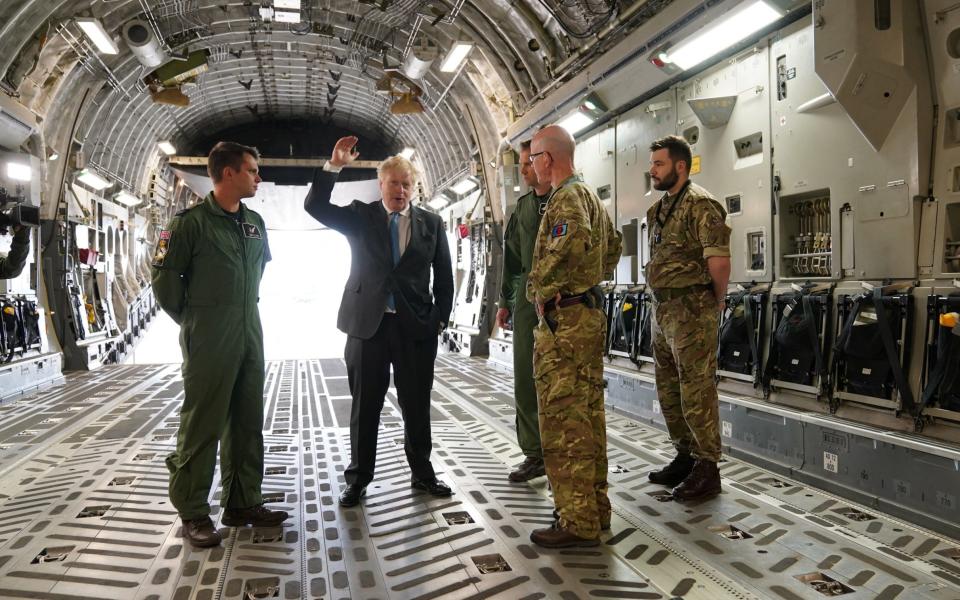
(577, 247)
(687, 274)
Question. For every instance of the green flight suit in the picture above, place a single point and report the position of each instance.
(518, 242)
(206, 276)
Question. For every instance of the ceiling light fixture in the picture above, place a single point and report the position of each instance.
(464, 186)
(733, 27)
(457, 54)
(88, 177)
(438, 202)
(19, 172)
(287, 4)
(167, 148)
(407, 153)
(126, 198)
(93, 29)
(575, 122)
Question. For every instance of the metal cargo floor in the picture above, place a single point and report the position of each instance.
(84, 511)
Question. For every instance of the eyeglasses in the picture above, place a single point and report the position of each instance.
(536, 154)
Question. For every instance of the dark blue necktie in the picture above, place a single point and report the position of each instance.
(394, 249)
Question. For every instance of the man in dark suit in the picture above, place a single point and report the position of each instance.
(388, 311)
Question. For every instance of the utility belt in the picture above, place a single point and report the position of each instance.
(593, 298)
(667, 294)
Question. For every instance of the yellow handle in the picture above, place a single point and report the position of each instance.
(949, 319)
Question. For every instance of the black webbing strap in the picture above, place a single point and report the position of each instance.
(891, 348)
(813, 330)
(844, 334)
(774, 348)
(947, 347)
(752, 337)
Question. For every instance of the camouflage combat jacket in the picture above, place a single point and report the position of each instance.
(689, 229)
(577, 246)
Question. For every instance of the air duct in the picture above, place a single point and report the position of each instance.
(418, 59)
(144, 44)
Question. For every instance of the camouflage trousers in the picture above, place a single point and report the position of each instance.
(685, 352)
(568, 369)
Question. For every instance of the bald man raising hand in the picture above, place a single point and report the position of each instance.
(577, 247)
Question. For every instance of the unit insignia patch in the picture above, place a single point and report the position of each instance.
(250, 230)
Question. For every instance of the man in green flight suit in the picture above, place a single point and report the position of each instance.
(206, 276)
(577, 247)
(687, 274)
(518, 241)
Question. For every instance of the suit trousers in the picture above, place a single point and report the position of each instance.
(368, 372)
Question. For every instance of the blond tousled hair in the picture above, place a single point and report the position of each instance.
(397, 163)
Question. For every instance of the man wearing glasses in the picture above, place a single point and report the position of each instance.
(577, 247)
(518, 241)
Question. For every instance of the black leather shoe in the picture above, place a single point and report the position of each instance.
(702, 484)
(434, 487)
(531, 468)
(256, 516)
(675, 472)
(352, 493)
(201, 532)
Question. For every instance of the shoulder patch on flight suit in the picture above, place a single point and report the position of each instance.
(558, 230)
(162, 247)
(251, 230)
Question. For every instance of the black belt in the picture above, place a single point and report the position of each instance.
(592, 298)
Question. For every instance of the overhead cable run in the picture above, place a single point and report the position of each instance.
(582, 18)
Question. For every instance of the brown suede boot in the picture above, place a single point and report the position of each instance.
(531, 468)
(557, 537)
(702, 483)
(675, 472)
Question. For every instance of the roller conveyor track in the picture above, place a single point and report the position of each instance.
(84, 512)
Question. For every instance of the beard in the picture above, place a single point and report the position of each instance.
(667, 182)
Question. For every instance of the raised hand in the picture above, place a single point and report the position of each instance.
(343, 152)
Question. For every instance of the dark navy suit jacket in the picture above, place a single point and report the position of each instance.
(373, 276)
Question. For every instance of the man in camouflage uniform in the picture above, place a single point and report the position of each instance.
(577, 247)
(518, 242)
(687, 274)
